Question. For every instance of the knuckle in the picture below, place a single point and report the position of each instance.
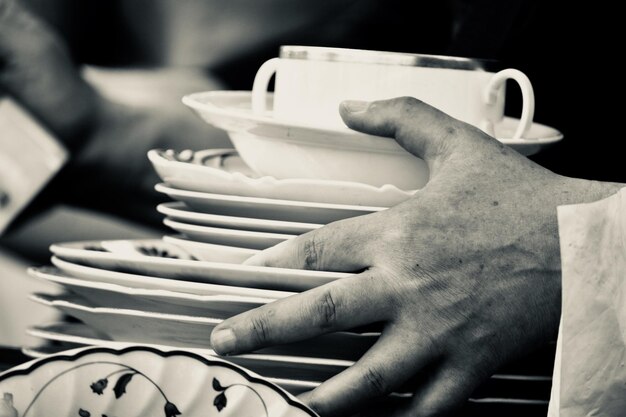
(312, 253)
(407, 104)
(260, 328)
(376, 381)
(326, 309)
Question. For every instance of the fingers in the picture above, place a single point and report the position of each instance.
(36, 69)
(343, 246)
(385, 367)
(340, 305)
(421, 129)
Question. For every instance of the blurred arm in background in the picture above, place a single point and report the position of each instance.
(142, 58)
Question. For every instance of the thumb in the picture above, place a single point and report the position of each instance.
(37, 70)
(418, 127)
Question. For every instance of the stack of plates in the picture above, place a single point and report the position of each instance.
(172, 292)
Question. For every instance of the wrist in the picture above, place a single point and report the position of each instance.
(580, 191)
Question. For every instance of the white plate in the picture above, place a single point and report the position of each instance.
(266, 208)
(105, 276)
(135, 326)
(291, 150)
(167, 248)
(91, 253)
(159, 301)
(222, 171)
(279, 369)
(180, 212)
(230, 237)
(210, 252)
(139, 326)
(140, 381)
(294, 387)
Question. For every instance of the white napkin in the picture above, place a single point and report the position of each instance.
(29, 157)
(590, 370)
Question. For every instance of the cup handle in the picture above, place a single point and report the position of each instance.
(261, 82)
(497, 82)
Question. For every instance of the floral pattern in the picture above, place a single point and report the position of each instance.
(110, 379)
(98, 387)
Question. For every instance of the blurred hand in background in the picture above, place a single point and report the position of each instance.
(108, 140)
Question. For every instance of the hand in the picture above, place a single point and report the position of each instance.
(109, 141)
(464, 276)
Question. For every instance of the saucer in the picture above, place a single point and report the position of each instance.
(291, 150)
(91, 274)
(178, 249)
(159, 264)
(190, 331)
(230, 110)
(155, 300)
(266, 208)
(231, 237)
(209, 251)
(180, 212)
(222, 171)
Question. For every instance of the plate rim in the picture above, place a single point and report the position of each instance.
(74, 355)
(191, 100)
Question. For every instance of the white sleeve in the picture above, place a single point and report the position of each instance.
(590, 372)
(29, 157)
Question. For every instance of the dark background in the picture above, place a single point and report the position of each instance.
(568, 49)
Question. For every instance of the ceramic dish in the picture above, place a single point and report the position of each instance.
(159, 301)
(290, 150)
(266, 208)
(138, 326)
(294, 387)
(221, 171)
(141, 381)
(180, 212)
(314, 370)
(105, 276)
(168, 248)
(93, 254)
(499, 389)
(209, 252)
(230, 237)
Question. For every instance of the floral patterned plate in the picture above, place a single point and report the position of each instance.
(292, 386)
(167, 248)
(161, 264)
(141, 381)
(222, 171)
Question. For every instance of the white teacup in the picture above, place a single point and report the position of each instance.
(311, 82)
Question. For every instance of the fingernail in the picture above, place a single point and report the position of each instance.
(355, 106)
(223, 341)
